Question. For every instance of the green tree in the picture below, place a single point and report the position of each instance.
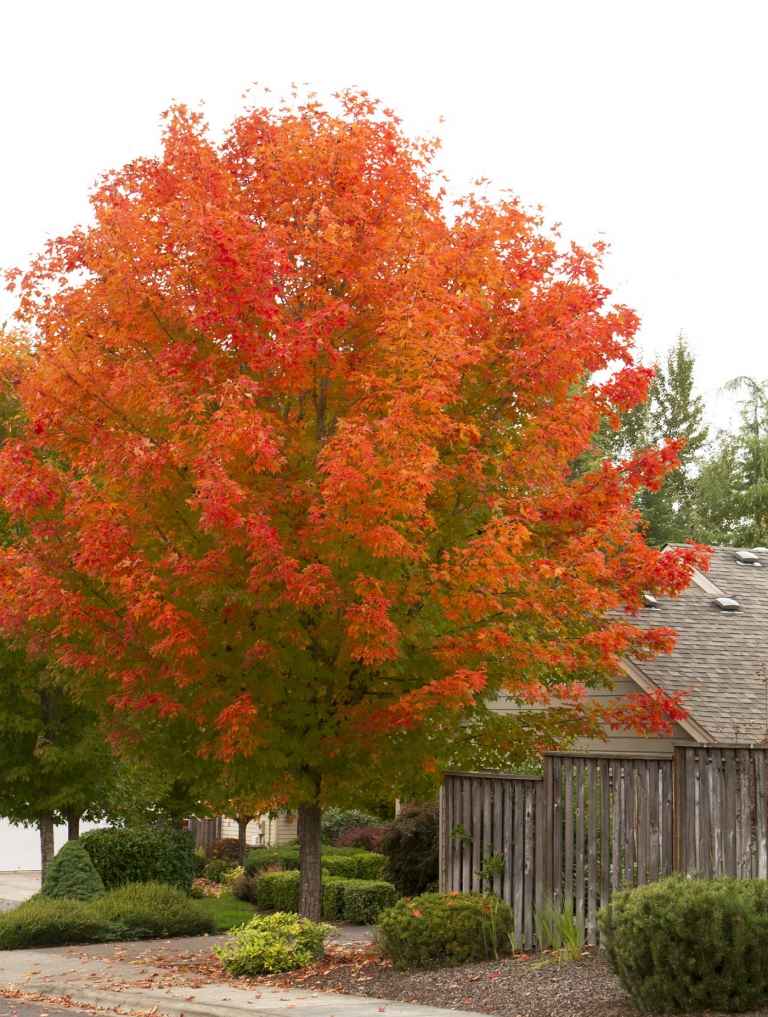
(673, 412)
(731, 490)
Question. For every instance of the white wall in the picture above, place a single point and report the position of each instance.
(20, 846)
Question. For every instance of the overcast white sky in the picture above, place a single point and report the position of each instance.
(637, 121)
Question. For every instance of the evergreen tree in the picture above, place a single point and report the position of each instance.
(731, 496)
(673, 411)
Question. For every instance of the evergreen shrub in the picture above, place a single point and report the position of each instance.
(690, 944)
(352, 863)
(358, 901)
(143, 911)
(271, 943)
(142, 855)
(411, 848)
(72, 874)
(437, 929)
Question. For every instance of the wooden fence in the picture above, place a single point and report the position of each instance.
(205, 832)
(594, 824)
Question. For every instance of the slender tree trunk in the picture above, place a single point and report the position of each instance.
(45, 825)
(73, 825)
(309, 861)
(242, 827)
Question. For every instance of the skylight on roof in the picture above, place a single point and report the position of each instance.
(760, 550)
(746, 558)
(649, 600)
(727, 603)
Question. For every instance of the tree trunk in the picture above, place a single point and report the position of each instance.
(45, 825)
(309, 861)
(242, 827)
(73, 825)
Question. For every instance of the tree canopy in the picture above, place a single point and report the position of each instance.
(296, 474)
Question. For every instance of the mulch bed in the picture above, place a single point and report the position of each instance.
(521, 986)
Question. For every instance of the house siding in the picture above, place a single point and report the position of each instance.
(621, 742)
(264, 831)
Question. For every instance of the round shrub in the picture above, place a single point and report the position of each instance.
(216, 869)
(141, 855)
(690, 944)
(271, 943)
(72, 874)
(445, 929)
(363, 900)
(244, 888)
(411, 848)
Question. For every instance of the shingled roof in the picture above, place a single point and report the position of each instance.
(719, 653)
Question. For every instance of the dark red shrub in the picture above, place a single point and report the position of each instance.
(368, 837)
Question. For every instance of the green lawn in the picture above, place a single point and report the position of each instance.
(227, 910)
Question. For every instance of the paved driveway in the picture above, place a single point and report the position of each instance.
(16, 887)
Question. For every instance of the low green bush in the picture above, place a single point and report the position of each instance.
(358, 901)
(48, 921)
(690, 944)
(263, 859)
(142, 855)
(411, 848)
(200, 862)
(277, 891)
(72, 874)
(140, 911)
(361, 901)
(154, 910)
(271, 943)
(216, 869)
(352, 863)
(437, 929)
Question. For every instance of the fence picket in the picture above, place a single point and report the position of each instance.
(593, 824)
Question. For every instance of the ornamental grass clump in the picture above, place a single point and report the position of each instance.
(271, 943)
(438, 929)
(690, 944)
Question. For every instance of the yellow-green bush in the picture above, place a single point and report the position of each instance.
(271, 943)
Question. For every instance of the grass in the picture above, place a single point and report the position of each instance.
(227, 911)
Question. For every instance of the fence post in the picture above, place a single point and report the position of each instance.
(678, 809)
(544, 826)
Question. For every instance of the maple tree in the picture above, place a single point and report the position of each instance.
(295, 472)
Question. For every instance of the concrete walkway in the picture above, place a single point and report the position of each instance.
(132, 976)
(16, 887)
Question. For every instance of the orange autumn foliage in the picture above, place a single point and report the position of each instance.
(297, 457)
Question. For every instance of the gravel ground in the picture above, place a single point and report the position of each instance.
(518, 987)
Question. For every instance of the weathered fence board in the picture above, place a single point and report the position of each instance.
(594, 824)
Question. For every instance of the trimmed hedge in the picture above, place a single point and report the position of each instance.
(142, 855)
(445, 929)
(271, 943)
(143, 911)
(690, 944)
(351, 863)
(72, 874)
(358, 901)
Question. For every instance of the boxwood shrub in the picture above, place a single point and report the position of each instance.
(690, 944)
(142, 855)
(72, 874)
(358, 901)
(142, 911)
(436, 929)
(271, 943)
(352, 863)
